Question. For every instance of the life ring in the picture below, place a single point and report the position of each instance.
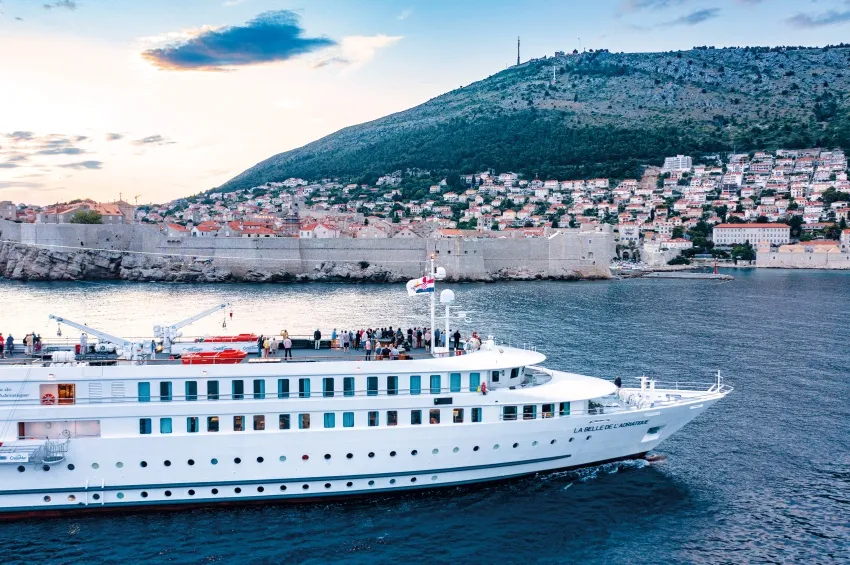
(48, 399)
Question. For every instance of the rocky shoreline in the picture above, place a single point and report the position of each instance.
(30, 263)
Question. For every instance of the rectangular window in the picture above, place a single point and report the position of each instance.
(165, 425)
(191, 390)
(436, 384)
(434, 416)
(415, 384)
(474, 381)
(259, 389)
(454, 382)
(372, 386)
(548, 410)
(514, 373)
(508, 412)
(457, 415)
(392, 385)
(239, 423)
(212, 390)
(165, 391)
(330, 420)
(144, 425)
(529, 412)
(392, 418)
(328, 386)
(476, 415)
(144, 392)
(415, 417)
(348, 419)
(563, 409)
(283, 422)
(238, 389)
(212, 423)
(192, 425)
(283, 388)
(259, 423)
(494, 376)
(304, 388)
(373, 418)
(304, 421)
(348, 386)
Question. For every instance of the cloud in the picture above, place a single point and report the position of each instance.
(229, 3)
(696, 17)
(114, 136)
(61, 151)
(269, 37)
(831, 17)
(331, 61)
(406, 13)
(636, 5)
(153, 140)
(83, 165)
(9, 165)
(19, 184)
(67, 4)
(21, 135)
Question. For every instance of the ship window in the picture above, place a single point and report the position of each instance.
(476, 414)
(548, 410)
(238, 389)
(259, 423)
(392, 418)
(66, 394)
(304, 388)
(165, 425)
(373, 418)
(348, 419)
(392, 385)
(434, 416)
(144, 392)
(372, 386)
(563, 409)
(192, 425)
(212, 390)
(474, 381)
(283, 422)
(283, 388)
(348, 386)
(144, 425)
(304, 421)
(212, 423)
(191, 390)
(259, 389)
(165, 391)
(328, 386)
(415, 384)
(454, 382)
(508, 412)
(239, 423)
(436, 384)
(330, 420)
(494, 376)
(415, 417)
(457, 415)
(514, 373)
(529, 412)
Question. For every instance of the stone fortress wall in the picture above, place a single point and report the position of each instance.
(141, 252)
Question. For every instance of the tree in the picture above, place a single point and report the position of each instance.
(678, 233)
(86, 217)
(743, 252)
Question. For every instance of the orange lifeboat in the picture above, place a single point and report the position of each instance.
(226, 357)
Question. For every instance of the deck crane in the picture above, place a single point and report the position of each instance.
(170, 333)
(130, 350)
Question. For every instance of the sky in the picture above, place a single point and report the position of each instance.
(158, 99)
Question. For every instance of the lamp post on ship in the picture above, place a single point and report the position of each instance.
(436, 273)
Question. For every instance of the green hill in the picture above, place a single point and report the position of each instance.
(603, 115)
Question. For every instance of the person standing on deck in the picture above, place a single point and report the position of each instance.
(317, 339)
(260, 346)
(368, 348)
(2, 346)
(419, 338)
(333, 339)
(436, 337)
(456, 337)
(358, 336)
(345, 340)
(10, 346)
(28, 341)
(152, 350)
(84, 343)
(267, 344)
(287, 348)
(427, 338)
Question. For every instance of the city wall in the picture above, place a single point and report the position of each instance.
(788, 260)
(140, 252)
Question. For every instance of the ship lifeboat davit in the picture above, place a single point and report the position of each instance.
(229, 338)
(226, 357)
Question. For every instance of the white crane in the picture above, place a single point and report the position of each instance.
(171, 332)
(127, 349)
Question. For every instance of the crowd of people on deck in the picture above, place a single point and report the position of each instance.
(32, 345)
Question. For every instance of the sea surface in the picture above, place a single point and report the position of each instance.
(764, 476)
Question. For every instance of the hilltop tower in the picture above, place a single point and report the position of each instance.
(517, 50)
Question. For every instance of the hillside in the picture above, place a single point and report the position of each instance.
(604, 115)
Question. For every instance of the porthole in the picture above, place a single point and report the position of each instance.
(496, 446)
(144, 494)
(414, 452)
(260, 489)
(167, 493)
(46, 499)
(305, 487)
(71, 498)
(412, 479)
(371, 454)
(534, 443)
(587, 438)
(260, 459)
(237, 460)
(191, 492)
(571, 439)
(516, 445)
(455, 450)
(95, 466)
(214, 461)
(435, 451)
(119, 496)
(305, 457)
(45, 467)
(433, 477)
(71, 466)
(392, 453)
(327, 456)
(190, 462)
(282, 487)
(475, 448)
(392, 481)
(349, 484)
(554, 441)
(214, 491)
(21, 468)
(327, 485)
(120, 465)
(237, 490)
(282, 458)
(371, 483)
(349, 455)
(96, 496)
(143, 464)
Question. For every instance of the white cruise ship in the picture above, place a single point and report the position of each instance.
(77, 437)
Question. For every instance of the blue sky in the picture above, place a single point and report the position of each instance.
(167, 98)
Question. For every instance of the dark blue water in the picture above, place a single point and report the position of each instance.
(764, 476)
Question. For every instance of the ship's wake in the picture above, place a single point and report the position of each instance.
(588, 474)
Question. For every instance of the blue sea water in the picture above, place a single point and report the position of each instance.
(764, 476)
